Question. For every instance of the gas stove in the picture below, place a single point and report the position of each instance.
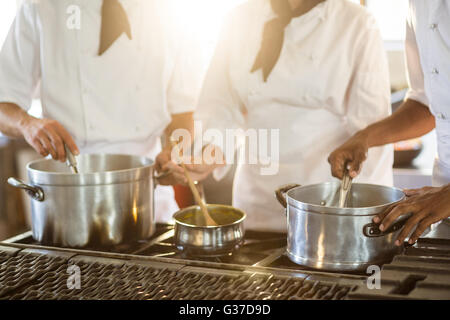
(156, 269)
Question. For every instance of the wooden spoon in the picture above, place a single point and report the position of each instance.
(208, 219)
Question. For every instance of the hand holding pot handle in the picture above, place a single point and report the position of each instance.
(280, 193)
(371, 230)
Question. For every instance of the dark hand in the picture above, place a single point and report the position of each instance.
(427, 205)
(349, 156)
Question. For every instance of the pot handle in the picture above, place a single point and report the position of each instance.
(371, 230)
(33, 191)
(280, 193)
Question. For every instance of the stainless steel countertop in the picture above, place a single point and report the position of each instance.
(442, 231)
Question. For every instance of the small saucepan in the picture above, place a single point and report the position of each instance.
(196, 239)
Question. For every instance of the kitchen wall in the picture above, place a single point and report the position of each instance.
(397, 69)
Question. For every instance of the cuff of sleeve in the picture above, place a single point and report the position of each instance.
(22, 103)
(417, 96)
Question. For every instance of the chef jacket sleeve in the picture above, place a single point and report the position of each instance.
(219, 108)
(369, 89)
(20, 59)
(414, 68)
(188, 72)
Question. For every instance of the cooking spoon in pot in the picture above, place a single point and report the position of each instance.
(344, 190)
(338, 197)
(208, 219)
(71, 161)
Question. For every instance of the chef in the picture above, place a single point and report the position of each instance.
(426, 106)
(314, 70)
(113, 76)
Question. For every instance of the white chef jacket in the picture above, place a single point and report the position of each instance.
(330, 81)
(119, 102)
(428, 61)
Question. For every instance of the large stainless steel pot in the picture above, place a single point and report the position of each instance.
(339, 239)
(109, 202)
(197, 240)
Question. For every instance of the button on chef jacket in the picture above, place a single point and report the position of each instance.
(330, 81)
(119, 102)
(428, 61)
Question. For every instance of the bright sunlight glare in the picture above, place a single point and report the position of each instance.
(205, 19)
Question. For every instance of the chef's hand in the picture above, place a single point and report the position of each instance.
(198, 168)
(48, 137)
(168, 168)
(349, 156)
(197, 172)
(427, 205)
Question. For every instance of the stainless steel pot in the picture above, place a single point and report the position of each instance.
(109, 202)
(196, 240)
(339, 239)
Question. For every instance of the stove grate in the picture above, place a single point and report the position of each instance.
(34, 276)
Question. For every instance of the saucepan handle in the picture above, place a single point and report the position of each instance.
(280, 193)
(34, 192)
(371, 230)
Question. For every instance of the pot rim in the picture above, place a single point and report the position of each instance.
(192, 226)
(360, 211)
(41, 177)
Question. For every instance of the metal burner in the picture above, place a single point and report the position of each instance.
(31, 274)
(155, 269)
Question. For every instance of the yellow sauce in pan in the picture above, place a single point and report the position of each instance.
(222, 216)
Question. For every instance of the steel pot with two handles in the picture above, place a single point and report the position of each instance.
(109, 202)
(339, 239)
